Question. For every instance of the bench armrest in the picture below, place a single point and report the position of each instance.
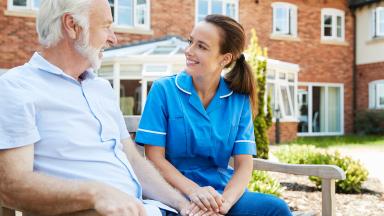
(322, 171)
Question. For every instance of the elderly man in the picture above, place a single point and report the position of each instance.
(64, 147)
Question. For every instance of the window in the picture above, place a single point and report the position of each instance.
(282, 88)
(224, 7)
(320, 109)
(376, 94)
(24, 4)
(130, 13)
(284, 19)
(332, 24)
(378, 22)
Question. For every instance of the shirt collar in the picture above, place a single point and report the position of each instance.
(184, 83)
(39, 62)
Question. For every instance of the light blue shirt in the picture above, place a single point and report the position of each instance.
(198, 141)
(76, 127)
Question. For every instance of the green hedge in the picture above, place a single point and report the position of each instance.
(263, 183)
(370, 122)
(356, 174)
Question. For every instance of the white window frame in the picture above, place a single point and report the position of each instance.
(376, 21)
(134, 14)
(375, 94)
(291, 18)
(334, 13)
(310, 108)
(144, 78)
(278, 84)
(224, 3)
(29, 6)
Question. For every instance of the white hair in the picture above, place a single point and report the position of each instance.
(48, 23)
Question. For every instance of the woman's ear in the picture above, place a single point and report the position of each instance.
(227, 59)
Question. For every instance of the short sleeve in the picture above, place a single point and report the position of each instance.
(17, 116)
(245, 138)
(153, 124)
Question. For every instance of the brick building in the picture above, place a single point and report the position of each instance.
(310, 45)
(369, 69)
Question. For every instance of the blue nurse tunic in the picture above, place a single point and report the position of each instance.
(198, 142)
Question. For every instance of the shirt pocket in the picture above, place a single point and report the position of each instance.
(177, 137)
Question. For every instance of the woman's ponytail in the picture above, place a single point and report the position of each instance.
(242, 80)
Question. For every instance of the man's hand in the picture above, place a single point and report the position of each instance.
(112, 202)
(206, 198)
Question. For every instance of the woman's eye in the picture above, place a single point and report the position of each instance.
(189, 41)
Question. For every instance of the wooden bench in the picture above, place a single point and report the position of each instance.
(328, 174)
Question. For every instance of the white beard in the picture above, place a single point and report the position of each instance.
(84, 48)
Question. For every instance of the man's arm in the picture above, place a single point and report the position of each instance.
(36, 193)
(154, 185)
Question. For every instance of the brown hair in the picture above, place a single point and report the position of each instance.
(241, 79)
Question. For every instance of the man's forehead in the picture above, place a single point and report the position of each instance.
(101, 11)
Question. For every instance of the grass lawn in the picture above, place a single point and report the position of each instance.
(342, 141)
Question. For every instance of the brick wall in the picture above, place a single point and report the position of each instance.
(367, 73)
(288, 132)
(318, 62)
(18, 37)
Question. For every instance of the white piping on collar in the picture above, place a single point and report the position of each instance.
(177, 85)
(227, 95)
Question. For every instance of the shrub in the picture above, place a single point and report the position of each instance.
(370, 122)
(356, 174)
(263, 183)
(263, 120)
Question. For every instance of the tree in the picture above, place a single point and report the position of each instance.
(257, 59)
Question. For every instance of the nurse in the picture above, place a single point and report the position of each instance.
(195, 121)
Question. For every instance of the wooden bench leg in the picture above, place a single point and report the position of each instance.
(7, 212)
(328, 197)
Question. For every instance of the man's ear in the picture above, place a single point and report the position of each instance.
(70, 26)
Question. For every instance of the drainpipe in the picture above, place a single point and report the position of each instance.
(354, 70)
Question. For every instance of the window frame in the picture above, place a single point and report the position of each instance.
(209, 9)
(375, 94)
(334, 13)
(326, 87)
(135, 21)
(29, 6)
(278, 84)
(376, 20)
(292, 18)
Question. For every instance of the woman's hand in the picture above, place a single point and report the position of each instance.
(227, 205)
(196, 211)
(206, 198)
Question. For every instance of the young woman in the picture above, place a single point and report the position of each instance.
(195, 121)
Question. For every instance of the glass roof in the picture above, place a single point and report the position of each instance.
(165, 46)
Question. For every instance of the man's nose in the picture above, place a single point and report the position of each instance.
(112, 39)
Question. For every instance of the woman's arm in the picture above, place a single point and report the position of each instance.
(239, 181)
(156, 154)
(206, 198)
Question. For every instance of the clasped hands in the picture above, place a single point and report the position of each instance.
(206, 201)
